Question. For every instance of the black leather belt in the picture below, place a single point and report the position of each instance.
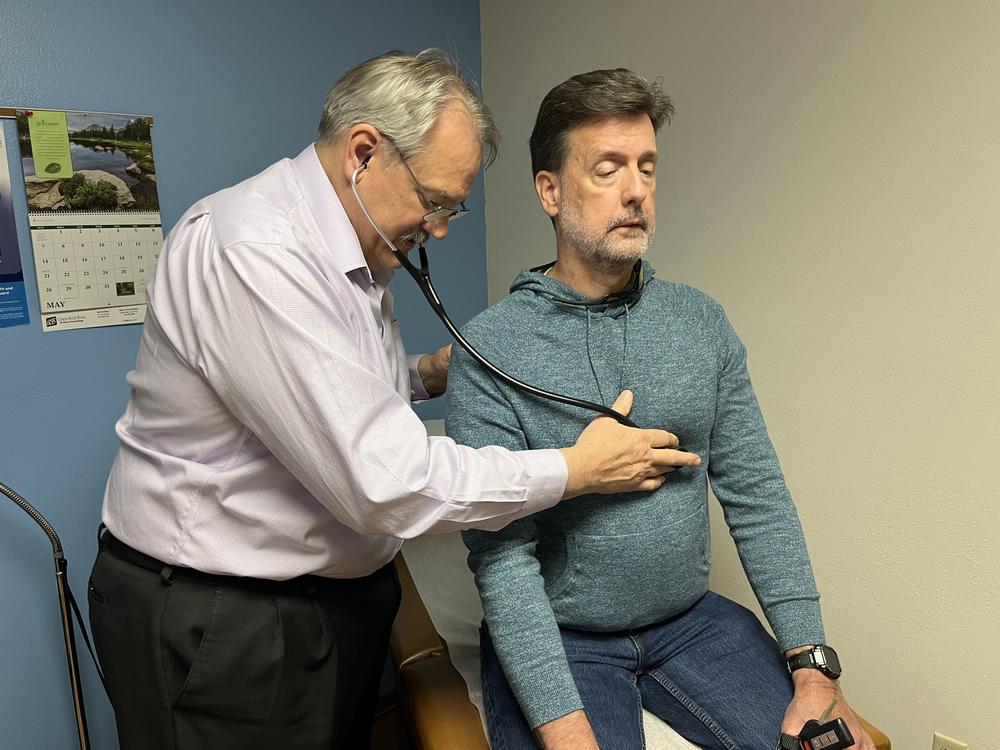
(304, 585)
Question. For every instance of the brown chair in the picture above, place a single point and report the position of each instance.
(432, 696)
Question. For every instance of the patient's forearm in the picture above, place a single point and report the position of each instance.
(569, 732)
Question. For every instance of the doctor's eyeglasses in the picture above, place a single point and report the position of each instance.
(436, 213)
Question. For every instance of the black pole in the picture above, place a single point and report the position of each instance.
(62, 588)
(62, 585)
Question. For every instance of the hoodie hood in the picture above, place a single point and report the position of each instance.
(605, 322)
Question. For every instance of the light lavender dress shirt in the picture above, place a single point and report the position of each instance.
(269, 431)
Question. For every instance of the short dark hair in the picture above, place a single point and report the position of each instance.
(596, 95)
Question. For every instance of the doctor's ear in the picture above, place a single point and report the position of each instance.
(547, 186)
(359, 147)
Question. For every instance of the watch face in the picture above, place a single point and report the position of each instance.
(832, 661)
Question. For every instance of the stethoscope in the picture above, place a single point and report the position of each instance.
(422, 276)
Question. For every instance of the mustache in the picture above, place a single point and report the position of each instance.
(419, 236)
(639, 217)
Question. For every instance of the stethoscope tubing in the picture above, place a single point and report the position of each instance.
(422, 276)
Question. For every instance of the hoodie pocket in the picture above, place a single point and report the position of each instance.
(622, 581)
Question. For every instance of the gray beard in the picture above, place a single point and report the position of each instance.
(597, 248)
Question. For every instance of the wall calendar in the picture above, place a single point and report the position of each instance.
(92, 269)
(93, 214)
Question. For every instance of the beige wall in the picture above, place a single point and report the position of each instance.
(832, 176)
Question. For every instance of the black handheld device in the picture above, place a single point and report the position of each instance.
(832, 735)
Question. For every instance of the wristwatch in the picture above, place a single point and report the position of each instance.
(822, 657)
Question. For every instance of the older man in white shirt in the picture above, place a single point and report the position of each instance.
(270, 463)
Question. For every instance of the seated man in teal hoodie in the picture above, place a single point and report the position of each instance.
(597, 607)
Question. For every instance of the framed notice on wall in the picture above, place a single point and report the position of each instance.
(93, 214)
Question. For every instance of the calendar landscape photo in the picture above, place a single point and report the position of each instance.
(112, 165)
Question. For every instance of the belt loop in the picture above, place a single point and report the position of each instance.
(167, 575)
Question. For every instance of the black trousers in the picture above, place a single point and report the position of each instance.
(198, 662)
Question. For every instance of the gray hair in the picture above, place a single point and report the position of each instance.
(402, 95)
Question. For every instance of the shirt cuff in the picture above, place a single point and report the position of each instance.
(548, 474)
(796, 623)
(553, 707)
(417, 390)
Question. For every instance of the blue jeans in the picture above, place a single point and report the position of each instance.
(712, 673)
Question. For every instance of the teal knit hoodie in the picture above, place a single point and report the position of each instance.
(616, 562)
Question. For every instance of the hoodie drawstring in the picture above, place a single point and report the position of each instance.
(590, 358)
(621, 380)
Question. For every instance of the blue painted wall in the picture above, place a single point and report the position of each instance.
(233, 87)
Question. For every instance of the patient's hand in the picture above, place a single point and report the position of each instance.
(813, 693)
(569, 732)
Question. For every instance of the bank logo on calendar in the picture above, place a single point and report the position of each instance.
(94, 214)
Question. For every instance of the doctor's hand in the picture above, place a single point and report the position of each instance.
(609, 458)
(813, 693)
(433, 370)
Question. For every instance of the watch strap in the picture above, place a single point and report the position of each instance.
(829, 664)
(802, 660)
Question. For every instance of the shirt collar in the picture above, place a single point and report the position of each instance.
(335, 227)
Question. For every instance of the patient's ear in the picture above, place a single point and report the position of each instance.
(547, 186)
